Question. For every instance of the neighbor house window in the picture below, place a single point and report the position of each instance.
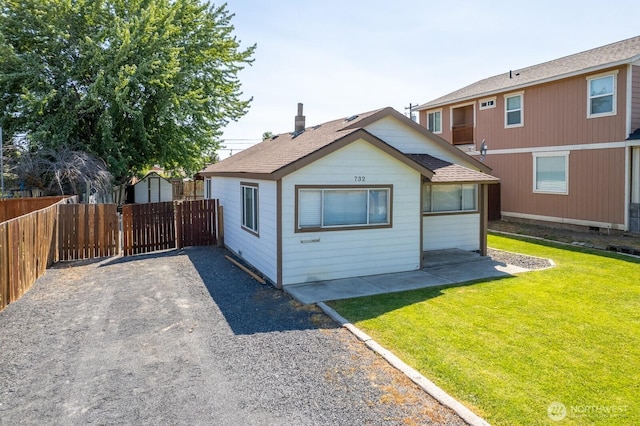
(340, 207)
(551, 172)
(434, 121)
(513, 110)
(487, 103)
(449, 198)
(250, 206)
(602, 95)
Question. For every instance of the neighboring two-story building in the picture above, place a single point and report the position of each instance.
(562, 136)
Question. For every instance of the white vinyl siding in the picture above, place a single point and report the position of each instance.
(258, 251)
(513, 110)
(451, 231)
(551, 172)
(601, 96)
(321, 255)
(408, 140)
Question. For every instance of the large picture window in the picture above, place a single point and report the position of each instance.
(449, 198)
(602, 96)
(250, 207)
(343, 207)
(550, 172)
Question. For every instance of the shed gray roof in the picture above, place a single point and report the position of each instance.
(622, 52)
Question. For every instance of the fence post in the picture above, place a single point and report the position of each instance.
(178, 223)
(220, 225)
(54, 254)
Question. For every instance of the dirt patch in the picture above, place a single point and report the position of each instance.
(604, 240)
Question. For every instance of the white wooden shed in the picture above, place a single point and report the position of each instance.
(362, 195)
(152, 188)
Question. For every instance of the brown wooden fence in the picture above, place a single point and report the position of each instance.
(196, 223)
(88, 231)
(14, 207)
(31, 242)
(161, 226)
(148, 227)
(26, 249)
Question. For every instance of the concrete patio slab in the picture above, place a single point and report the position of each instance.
(444, 267)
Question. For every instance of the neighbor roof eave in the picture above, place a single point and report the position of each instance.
(430, 105)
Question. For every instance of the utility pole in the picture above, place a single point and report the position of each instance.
(410, 108)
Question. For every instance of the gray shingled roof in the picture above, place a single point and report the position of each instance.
(286, 152)
(445, 172)
(281, 150)
(622, 52)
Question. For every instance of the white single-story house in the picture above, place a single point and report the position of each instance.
(152, 188)
(363, 195)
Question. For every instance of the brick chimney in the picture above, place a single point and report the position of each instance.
(300, 122)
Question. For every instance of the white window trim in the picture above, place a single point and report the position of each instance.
(614, 111)
(511, 95)
(432, 112)
(566, 170)
(256, 210)
(481, 101)
(387, 224)
(462, 210)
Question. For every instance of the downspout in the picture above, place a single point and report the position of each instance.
(627, 150)
(279, 234)
(421, 224)
(484, 217)
(627, 184)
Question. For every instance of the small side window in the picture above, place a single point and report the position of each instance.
(487, 103)
(601, 96)
(250, 207)
(434, 121)
(513, 110)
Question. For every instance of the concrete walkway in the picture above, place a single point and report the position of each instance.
(442, 267)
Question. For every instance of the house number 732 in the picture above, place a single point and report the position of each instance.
(358, 178)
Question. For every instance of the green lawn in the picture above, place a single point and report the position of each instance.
(509, 348)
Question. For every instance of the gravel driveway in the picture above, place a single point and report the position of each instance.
(187, 338)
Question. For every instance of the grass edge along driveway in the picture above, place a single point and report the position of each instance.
(557, 346)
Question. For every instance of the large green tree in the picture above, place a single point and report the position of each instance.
(133, 82)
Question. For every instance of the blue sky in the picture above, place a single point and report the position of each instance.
(340, 58)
